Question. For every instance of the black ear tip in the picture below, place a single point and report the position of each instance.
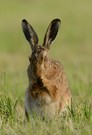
(56, 21)
(24, 21)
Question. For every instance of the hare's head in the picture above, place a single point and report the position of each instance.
(39, 52)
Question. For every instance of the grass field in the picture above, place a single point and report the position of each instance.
(73, 47)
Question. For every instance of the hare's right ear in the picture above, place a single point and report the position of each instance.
(29, 33)
(51, 33)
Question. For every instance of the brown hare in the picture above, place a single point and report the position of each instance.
(48, 93)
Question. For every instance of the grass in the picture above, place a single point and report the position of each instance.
(73, 47)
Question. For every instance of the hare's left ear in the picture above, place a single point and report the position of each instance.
(29, 33)
(51, 33)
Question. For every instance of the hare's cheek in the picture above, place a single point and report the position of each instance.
(40, 60)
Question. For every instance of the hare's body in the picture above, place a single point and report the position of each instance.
(48, 92)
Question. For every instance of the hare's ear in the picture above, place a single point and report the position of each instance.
(51, 32)
(29, 33)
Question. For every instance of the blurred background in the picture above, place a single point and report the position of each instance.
(73, 45)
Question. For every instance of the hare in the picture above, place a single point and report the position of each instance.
(48, 92)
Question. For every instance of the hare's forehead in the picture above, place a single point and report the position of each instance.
(39, 48)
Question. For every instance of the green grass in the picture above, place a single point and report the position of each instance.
(73, 47)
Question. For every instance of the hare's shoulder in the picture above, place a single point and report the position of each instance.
(54, 69)
(56, 64)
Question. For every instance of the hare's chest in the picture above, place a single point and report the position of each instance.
(41, 106)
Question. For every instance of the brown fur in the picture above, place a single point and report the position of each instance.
(48, 91)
